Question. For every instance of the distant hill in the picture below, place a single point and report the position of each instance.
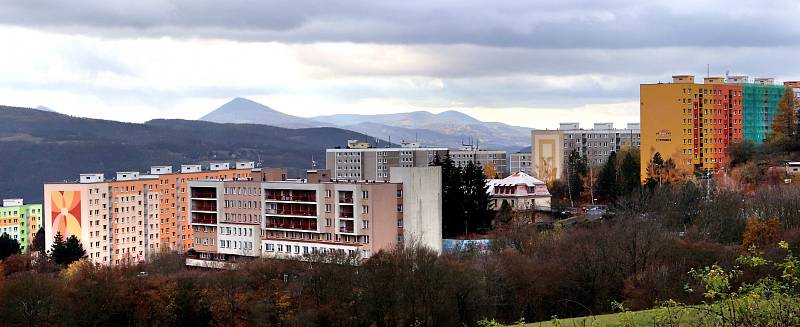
(448, 128)
(39, 147)
(407, 119)
(244, 111)
(43, 108)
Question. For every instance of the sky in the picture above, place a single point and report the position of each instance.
(527, 63)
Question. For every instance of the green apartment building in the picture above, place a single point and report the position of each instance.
(20, 221)
(759, 107)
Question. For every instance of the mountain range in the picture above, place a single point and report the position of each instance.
(448, 128)
(40, 147)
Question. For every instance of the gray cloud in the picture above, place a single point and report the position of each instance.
(525, 24)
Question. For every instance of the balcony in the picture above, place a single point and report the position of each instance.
(345, 197)
(302, 224)
(346, 212)
(292, 209)
(204, 205)
(346, 227)
(204, 192)
(204, 218)
(291, 195)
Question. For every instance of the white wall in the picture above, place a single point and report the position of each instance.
(422, 205)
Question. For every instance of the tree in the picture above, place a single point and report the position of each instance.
(490, 171)
(8, 246)
(452, 195)
(629, 174)
(504, 214)
(607, 185)
(476, 196)
(38, 243)
(784, 132)
(64, 253)
(577, 168)
(654, 168)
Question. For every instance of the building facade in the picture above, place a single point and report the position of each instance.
(521, 162)
(695, 124)
(295, 218)
(20, 221)
(361, 162)
(551, 148)
(124, 220)
(480, 157)
(521, 191)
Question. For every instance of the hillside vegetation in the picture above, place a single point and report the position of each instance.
(39, 147)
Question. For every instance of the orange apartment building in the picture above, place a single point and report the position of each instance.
(126, 219)
(694, 124)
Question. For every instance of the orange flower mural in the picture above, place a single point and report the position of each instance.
(66, 213)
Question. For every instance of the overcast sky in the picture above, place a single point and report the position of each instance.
(528, 63)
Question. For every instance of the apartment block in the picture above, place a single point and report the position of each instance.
(359, 161)
(551, 148)
(521, 163)
(294, 218)
(481, 157)
(20, 221)
(123, 220)
(695, 124)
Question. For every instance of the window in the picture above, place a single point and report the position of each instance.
(364, 209)
(327, 208)
(365, 194)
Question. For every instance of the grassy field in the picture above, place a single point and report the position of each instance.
(634, 318)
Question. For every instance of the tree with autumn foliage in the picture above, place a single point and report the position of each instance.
(784, 133)
(760, 233)
(490, 171)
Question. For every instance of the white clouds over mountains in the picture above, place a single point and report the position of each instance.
(534, 62)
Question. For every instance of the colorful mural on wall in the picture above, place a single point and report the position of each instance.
(66, 213)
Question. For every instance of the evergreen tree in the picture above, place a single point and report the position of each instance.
(629, 174)
(784, 126)
(8, 246)
(38, 243)
(654, 168)
(577, 168)
(607, 186)
(476, 205)
(66, 252)
(452, 196)
(504, 214)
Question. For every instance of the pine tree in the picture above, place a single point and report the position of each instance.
(452, 196)
(476, 204)
(8, 246)
(607, 186)
(66, 252)
(629, 175)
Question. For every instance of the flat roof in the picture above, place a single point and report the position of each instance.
(386, 149)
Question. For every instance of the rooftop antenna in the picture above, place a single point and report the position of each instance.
(708, 70)
(313, 163)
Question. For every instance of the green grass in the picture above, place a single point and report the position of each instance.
(632, 318)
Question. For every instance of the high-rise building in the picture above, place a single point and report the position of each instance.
(520, 163)
(551, 148)
(481, 157)
(293, 218)
(695, 124)
(126, 219)
(20, 221)
(759, 106)
(361, 162)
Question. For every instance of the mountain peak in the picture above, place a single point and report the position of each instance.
(245, 111)
(458, 116)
